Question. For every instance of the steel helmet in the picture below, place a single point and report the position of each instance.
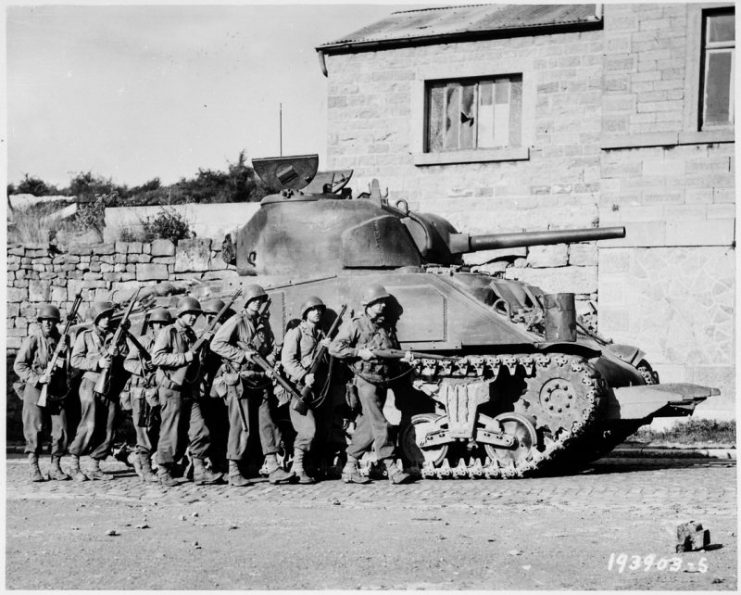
(312, 302)
(213, 306)
(48, 312)
(189, 304)
(100, 309)
(254, 292)
(160, 315)
(375, 293)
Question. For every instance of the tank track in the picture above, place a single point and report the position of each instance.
(561, 394)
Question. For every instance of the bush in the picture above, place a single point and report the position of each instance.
(35, 186)
(167, 225)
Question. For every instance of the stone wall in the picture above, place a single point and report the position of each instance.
(36, 275)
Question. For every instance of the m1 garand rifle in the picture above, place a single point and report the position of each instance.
(51, 366)
(104, 380)
(301, 405)
(189, 372)
(401, 354)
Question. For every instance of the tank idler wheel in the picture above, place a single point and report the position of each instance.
(525, 440)
(413, 438)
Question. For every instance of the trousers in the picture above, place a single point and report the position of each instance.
(146, 436)
(305, 426)
(181, 425)
(239, 432)
(33, 423)
(94, 435)
(372, 427)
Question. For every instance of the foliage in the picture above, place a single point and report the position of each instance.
(692, 431)
(35, 186)
(167, 225)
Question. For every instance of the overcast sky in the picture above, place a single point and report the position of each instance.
(137, 92)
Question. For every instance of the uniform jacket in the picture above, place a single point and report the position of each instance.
(134, 360)
(361, 332)
(89, 347)
(299, 347)
(241, 330)
(34, 355)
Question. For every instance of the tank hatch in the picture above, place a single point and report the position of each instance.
(286, 173)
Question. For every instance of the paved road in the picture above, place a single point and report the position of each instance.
(544, 533)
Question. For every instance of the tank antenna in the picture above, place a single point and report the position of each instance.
(280, 127)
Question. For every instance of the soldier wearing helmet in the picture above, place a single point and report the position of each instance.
(94, 435)
(145, 406)
(181, 418)
(31, 365)
(300, 344)
(236, 341)
(213, 408)
(354, 343)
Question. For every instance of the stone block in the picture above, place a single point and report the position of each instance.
(16, 250)
(106, 268)
(71, 259)
(13, 343)
(583, 254)
(144, 257)
(120, 258)
(95, 267)
(125, 287)
(127, 276)
(79, 249)
(164, 259)
(715, 232)
(107, 259)
(59, 259)
(162, 248)
(548, 256)
(193, 255)
(104, 248)
(58, 293)
(38, 267)
(12, 309)
(90, 276)
(579, 280)
(119, 268)
(47, 275)
(151, 272)
(60, 281)
(39, 291)
(146, 248)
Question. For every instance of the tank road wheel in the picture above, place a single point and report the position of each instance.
(518, 456)
(413, 438)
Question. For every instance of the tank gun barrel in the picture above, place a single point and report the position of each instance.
(461, 243)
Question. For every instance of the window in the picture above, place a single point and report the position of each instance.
(471, 114)
(719, 34)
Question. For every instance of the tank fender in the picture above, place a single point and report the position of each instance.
(627, 353)
(569, 348)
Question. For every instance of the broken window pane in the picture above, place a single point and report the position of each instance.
(436, 128)
(453, 119)
(718, 87)
(467, 117)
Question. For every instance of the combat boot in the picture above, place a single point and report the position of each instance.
(276, 474)
(202, 475)
(137, 464)
(298, 467)
(33, 461)
(96, 474)
(75, 470)
(351, 473)
(55, 471)
(236, 478)
(165, 477)
(146, 468)
(395, 475)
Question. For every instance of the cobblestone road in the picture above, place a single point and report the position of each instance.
(544, 533)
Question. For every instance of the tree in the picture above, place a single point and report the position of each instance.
(35, 186)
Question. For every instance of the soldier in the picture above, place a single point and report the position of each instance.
(178, 381)
(214, 408)
(97, 411)
(144, 393)
(299, 348)
(374, 329)
(30, 365)
(238, 338)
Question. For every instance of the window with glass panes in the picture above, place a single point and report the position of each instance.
(719, 45)
(481, 113)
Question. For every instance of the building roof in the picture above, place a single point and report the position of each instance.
(430, 25)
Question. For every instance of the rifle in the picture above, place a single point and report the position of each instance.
(271, 373)
(142, 350)
(179, 376)
(302, 404)
(101, 386)
(71, 317)
(400, 354)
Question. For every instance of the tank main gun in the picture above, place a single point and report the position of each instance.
(462, 243)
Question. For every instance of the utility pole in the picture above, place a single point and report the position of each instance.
(280, 125)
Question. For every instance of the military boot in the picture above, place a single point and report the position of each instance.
(146, 468)
(395, 475)
(137, 464)
(165, 477)
(236, 478)
(55, 471)
(97, 474)
(351, 473)
(33, 461)
(298, 467)
(204, 476)
(276, 474)
(75, 470)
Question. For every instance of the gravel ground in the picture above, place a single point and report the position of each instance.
(545, 533)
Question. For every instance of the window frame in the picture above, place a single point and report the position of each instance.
(472, 71)
(694, 84)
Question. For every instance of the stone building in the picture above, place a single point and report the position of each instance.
(516, 117)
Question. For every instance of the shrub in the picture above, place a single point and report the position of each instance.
(167, 225)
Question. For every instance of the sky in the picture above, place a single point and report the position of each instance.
(134, 93)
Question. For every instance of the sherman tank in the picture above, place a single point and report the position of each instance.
(515, 383)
